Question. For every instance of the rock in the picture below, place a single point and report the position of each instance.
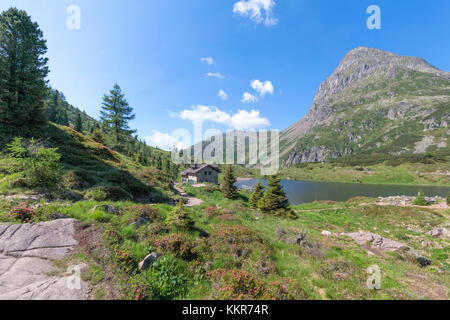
(143, 219)
(375, 241)
(148, 261)
(423, 261)
(438, 232)
(106, 208)
(326, 233)
(26, 254)
(56, 216)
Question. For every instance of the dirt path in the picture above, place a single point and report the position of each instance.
(191, 201)
(27, 252)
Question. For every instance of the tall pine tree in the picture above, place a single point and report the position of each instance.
(229, 180)
(275, 201)
(23, 69)
(116, 113)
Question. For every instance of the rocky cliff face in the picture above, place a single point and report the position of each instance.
(374, 101)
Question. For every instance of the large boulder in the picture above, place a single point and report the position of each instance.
(148, 261)
(375, 241)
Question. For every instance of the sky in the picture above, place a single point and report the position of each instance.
(231, 64)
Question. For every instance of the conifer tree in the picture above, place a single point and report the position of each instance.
(23, 69)
(78, 123)
(258, 193)
(116, 113)
(229, 180)
(179, 218)
(275, 201)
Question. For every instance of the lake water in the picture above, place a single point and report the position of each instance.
(308, 191)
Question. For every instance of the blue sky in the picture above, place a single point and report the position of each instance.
(154, 50)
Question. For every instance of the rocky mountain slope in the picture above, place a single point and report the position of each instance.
(374, 102)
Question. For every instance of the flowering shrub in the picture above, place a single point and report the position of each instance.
(139, 289)
(147, 211)
(24, 214)
(124, 259)
(111, 236)
(180, 245)
(241, 240)
(242, 285)
(227, 217)
(211, 211)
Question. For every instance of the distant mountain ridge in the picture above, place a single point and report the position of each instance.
(375, 102)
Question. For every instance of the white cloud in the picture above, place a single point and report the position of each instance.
(222, 95)
(215, 75)
(164, 141)
(248, 97)
(262, 88)
(242, 120)
(208, 60)
(257, 10)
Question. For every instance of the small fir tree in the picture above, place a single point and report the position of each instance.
(229, 180)
(275, 201)
(258, 193)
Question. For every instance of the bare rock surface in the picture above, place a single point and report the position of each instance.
(27, 252)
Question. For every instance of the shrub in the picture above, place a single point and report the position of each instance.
(24, 214)
(210, 188)
(107, 193)
(420, 199)
(180, 245)
(124, 259)
(211, 211)
(179, 218)
(100, 216)
(242, 285)
(168, 278)
(39, 165)
(78, 179)
(448, 199)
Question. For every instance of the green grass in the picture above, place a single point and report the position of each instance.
(381, 173)
(241, 239)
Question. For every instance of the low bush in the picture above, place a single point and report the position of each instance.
(420, 199)
(24, 214)
(169, 278)
(104, 193)
(242, 285)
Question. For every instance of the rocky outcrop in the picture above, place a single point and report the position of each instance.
(26, 255)
(386, 91)
(377, 242)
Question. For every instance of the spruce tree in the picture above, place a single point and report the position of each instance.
(258, 193)
(116, 113)
(78, 123)
(229, 180)
(275, 201)
(23, 69)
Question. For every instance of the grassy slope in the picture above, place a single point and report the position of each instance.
(334, 269)
(87, 165)
(407, 173)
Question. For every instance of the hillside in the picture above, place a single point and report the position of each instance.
(375, 102)
(90, 169)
